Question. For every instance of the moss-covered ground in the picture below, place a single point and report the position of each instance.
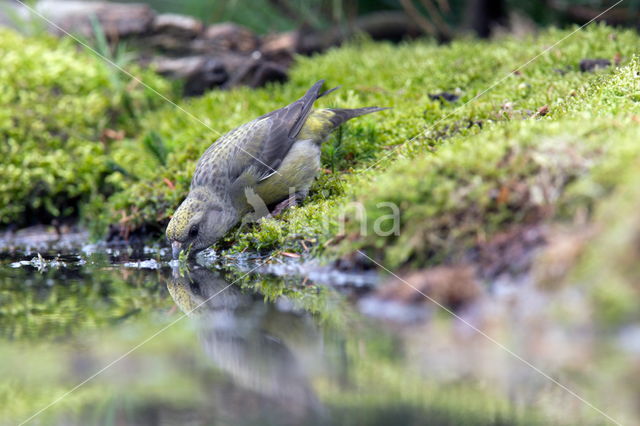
(528, 141)
(62, 112)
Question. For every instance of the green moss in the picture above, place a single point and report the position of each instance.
(460, 182)
(55, 106)
(32, 310)
(514, 172)
(609, 266)
(387, 75)
(458, 171)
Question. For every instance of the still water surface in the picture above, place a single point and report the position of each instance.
(140, 341)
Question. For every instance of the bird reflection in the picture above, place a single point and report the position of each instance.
(267, 353)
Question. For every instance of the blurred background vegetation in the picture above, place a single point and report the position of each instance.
(443, 18)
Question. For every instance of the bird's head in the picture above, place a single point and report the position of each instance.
(198, 223)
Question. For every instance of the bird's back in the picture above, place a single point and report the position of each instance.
(217, 164)
(257, 149)
(259, 146)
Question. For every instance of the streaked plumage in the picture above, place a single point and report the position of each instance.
(274, 155)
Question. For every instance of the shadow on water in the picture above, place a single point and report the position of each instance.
(220, 345)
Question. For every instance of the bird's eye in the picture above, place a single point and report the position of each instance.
(193, 232)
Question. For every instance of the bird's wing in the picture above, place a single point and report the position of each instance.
(282, 128)
(255, 150)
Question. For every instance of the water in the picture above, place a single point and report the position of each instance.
(97, 335)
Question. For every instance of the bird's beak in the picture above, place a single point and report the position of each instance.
(176, 248)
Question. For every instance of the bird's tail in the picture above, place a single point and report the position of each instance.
(340, 115)
(321, 122)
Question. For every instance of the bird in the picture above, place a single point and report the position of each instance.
(275, 157)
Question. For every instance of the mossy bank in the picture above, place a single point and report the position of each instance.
(62, 112)
(522, 143)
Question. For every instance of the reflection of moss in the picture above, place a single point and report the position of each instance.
(36, 310)
(324, 304)
(38, 372)
(379, 387)
(366, 380)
